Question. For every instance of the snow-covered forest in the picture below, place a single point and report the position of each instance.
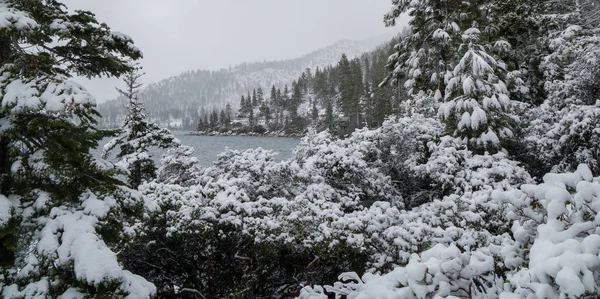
(483, 181)
(339, 98)
(178, 102)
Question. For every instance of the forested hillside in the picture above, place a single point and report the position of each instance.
(341, 98)
(178, 101)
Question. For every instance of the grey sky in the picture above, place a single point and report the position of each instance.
(180, 35)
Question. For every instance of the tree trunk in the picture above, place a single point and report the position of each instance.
(137, 175)
(7, 237)
(5, 160)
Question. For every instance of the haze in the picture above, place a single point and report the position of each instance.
(180, 35)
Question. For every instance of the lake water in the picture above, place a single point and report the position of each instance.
(208, 147)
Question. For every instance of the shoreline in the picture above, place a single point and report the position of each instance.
(227, 134)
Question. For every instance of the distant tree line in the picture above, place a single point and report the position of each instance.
(338, 98)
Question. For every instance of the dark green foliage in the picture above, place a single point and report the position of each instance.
(8, 244)
(102, 53)
(70, 169)
(218, 261)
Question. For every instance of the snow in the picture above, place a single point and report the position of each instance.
(5, 210)
(72, 293)
(51, 95)
(560, 241)
(93, 262)
(14, 19)
(68, 239)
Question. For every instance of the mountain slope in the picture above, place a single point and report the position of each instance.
(177, 101)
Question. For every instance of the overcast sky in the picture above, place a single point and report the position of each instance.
(180, 35)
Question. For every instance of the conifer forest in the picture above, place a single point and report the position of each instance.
(459, 158)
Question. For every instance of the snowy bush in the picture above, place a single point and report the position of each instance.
(336, 199)
(179, 166)
(555, 226)
(550, 248)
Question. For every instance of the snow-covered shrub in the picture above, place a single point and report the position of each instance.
(396, 146)
(439, 272)
(455, 169)
(179, 166)
(556, 230)
(367, 155)
(549, 248)
(348, 167)
(425, 104)
(342, 201)
(254, 170)
(565, 138)
(193, 233)
(455, 242)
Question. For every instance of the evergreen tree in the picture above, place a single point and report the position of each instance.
(428, 53)
(242, 106)
(309, 79)
(321, 87)
(279, 98)
(273, 94)
(267, 113)
(302, 82)
(349, 94)
(477, 102)
(228, 113)
(223, 119)
(357, 92)
(137, 134)
(251, 120)
(214, 120)
(207, 121)
(259, 96)
(254, 98)
(381, 98)
(201, 126)
(295, 101)
(65, 211)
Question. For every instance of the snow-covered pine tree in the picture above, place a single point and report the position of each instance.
(60, 208)
(477, 101)
(425, 56)
(564, 129)
(138, 134)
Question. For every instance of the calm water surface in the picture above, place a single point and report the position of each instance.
(208, 147)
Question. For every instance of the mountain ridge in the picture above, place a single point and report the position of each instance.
(177, 101)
